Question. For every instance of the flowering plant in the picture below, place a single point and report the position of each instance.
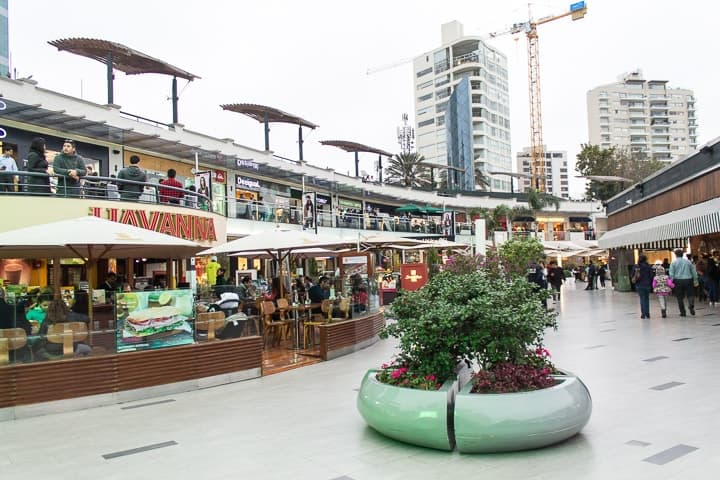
(400, 376)
(509, 377)
(477, 311)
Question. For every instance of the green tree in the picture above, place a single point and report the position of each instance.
(408, 170)
(612, 162)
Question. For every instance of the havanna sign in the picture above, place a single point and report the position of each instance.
(188, 227)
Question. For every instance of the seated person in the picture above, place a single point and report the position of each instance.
(360, 300)
(229, 303)
(274, 290)
(244, 290)
(58, 312)
(319, 292)
(234, 326)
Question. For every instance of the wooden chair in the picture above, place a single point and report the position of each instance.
(210, 322)
(67, 334)
(283, 309)
(273, 331)
(322, 318)
(11, 339)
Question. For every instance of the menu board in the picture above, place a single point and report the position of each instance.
(154, 319)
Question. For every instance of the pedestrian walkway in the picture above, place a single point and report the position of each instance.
(654, 383)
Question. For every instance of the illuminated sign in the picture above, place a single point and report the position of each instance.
(247, 182)
(219, 176)
(246, 163)
(188, 227)
(413, 275)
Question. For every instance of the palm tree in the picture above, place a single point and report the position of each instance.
(539, 200)
(481, 179)
(408, 170)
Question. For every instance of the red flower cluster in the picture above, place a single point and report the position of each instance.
(401, 377)
(508, 377)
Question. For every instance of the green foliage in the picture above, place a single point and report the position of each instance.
(313, 270)
(433, 259)
(596, 161)
(517, 254)
(467, 317)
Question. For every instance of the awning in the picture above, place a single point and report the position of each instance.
(667, 230)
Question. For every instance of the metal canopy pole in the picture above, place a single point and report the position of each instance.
(110, 78)
(175, 100)
(357, 165)
(267, 132)
(300, 142)
(380, 168)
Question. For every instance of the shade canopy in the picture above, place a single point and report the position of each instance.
(125, 59)
(92, 238)
(277, 241)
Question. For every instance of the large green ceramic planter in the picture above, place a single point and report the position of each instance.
(520, 421)
(419, 417)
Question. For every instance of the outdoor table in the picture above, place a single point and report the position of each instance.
(296, 309)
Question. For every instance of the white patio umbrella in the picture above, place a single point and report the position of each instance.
(92, 238)
(277, 243)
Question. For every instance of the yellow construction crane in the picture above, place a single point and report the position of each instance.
(537, 155)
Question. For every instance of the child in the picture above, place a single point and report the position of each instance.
(662, 286)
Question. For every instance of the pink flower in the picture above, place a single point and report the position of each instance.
(430, 378)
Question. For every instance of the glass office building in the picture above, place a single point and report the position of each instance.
(459, 135)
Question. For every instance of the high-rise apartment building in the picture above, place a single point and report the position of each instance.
(437, 74)
(556, 171)
(4, 39)
(644, 116)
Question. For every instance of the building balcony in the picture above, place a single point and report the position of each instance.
(471, 57)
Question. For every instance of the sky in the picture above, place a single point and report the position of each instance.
(311, 59)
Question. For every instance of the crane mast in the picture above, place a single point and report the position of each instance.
(537, 155)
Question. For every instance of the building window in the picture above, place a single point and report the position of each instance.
(422, 73)
(425, 123)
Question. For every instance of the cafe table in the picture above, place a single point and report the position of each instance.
(297, 308)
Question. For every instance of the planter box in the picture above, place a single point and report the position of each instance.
(519, 421)
(419, 417)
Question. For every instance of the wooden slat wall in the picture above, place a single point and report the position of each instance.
(335, 336)
(24, 384)
(699, 190)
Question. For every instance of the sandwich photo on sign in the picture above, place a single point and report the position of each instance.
(154, 319)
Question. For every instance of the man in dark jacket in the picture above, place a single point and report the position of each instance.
(69, 168)
(131, 191)
(555, 277)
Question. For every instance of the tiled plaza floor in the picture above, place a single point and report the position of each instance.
(655, 388)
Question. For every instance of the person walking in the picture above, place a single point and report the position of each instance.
(662, 285)
(555, 277)
(591, 272)
(602, 275)
(685, 277)
(37, 163)
(69, 168)
(643, 275)
(131, 191)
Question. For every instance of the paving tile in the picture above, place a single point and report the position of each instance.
(666, 386)
(672, 453)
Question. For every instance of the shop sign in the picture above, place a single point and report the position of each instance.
(218, 176)
(322, 200)
(413, 276)
(188, 227)
(349, 203)
(244, 182)
(246, 163)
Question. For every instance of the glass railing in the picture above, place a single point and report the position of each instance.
(97, 187)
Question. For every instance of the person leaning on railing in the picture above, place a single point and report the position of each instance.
(70, 168)
(131, 191)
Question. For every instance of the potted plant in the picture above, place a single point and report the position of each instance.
(480, 312)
